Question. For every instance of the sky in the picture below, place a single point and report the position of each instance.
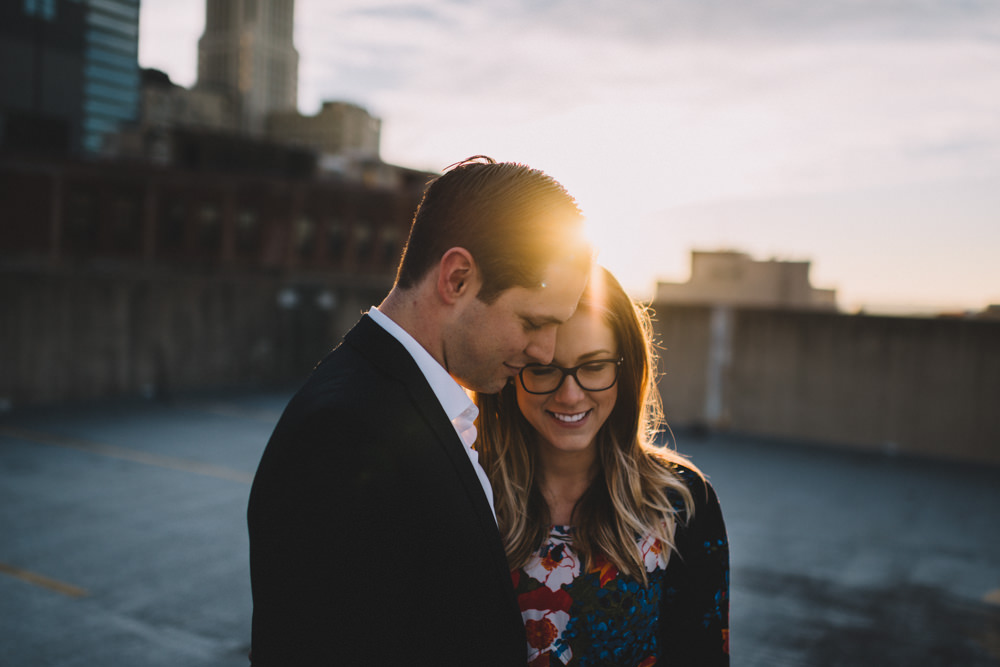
(861, 135)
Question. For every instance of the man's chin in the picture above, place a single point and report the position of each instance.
(496, 386)
(483, 387)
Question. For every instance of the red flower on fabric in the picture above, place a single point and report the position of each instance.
(550, 563)
(541, 633)
(546, 599)
(605, 568)
(648, 662)
(725, 640)
(556, 565)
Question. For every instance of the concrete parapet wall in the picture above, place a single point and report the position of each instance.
(913, 385)
(71, 336)
(922, 386)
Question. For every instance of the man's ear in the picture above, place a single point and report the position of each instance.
(457, 275)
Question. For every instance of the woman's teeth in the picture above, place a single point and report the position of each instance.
(569, 419)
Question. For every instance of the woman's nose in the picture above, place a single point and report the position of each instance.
(569, 391)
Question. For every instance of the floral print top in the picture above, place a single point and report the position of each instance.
(603, 617)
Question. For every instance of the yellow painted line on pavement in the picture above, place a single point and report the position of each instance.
(127, 454)
(220, 409)
(43, 581)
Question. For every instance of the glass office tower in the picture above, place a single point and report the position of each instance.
(70, 62)
(111, 69)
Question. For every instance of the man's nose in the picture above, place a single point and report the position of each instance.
(542, 345)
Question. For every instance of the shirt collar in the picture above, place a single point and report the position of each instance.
(450, 394)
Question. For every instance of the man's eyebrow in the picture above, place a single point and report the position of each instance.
(542, 319)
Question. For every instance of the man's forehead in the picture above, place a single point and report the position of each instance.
(555, 300)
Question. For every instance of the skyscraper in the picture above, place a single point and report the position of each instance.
(111, 69)
(73, 62)
(247, 53)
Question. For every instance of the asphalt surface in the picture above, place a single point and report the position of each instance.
(123, 542)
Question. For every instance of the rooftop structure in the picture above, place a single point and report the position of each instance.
(735, 279)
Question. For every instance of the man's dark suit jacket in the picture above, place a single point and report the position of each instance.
(371, 539)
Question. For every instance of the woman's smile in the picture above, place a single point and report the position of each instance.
(569, 418)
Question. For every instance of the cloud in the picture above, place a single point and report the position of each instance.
(643, 107)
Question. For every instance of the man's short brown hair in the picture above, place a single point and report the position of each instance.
(514, 221)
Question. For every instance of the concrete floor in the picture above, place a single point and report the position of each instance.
(123, 542)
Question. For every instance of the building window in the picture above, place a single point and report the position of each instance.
(125, 10)
(127, 27)
(126, 226)
(390, 249)
(43, 9)
(98, 40)
(305, 237)
(335, 240)
(247, 232)
(81, 228)
(171, 227)
(209, 229)
(363, 243)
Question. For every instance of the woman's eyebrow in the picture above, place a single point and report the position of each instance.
(596, 353)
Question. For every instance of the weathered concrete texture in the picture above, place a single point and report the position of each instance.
(915, 385)
(855, 558)
(90, 334)
(838, 557)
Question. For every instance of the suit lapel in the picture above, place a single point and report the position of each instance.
(382, 350)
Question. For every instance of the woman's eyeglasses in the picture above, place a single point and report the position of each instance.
(595, 375)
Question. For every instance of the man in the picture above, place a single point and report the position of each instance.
(373, 539)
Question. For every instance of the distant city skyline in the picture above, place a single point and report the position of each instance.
(860, 136)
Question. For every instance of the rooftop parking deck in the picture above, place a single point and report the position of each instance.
(124, 542)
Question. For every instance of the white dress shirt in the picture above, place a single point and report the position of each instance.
(456, 402)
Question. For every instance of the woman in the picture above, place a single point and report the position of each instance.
(617, 547)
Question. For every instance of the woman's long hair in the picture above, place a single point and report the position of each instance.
(628, 498)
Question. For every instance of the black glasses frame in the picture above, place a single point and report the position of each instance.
(570, 371)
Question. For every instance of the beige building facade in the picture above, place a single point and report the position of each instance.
(735, 279)
(247, 53)
(339, 128)
(170, 105)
